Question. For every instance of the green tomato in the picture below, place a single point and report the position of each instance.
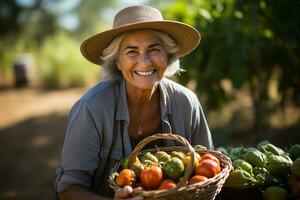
(242, 164)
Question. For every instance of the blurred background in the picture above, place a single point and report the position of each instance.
(246, 72)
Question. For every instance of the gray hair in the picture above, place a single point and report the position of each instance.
(110, 70)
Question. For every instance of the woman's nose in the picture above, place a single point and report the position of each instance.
(145, 59)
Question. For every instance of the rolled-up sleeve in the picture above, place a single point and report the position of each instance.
(81, 149)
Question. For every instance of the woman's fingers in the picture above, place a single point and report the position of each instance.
(129, 193)
(123, 192)
(138, 189)
(137, 198)
(136, 194)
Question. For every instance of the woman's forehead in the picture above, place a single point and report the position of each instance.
(138, 38)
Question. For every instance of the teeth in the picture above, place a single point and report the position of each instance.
(145, 73)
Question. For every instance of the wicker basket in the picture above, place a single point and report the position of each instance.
(203, 190)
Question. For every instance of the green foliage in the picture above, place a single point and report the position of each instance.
(247, 43)
(90, 15)
(62, 65)
(58, 62)
(6, 55)
(35, 28)
(10, 49)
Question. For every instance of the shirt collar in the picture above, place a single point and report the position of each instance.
(122, 108)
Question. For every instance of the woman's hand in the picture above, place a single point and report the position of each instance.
(126, 191)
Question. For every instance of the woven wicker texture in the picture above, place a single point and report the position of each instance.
(204, 190)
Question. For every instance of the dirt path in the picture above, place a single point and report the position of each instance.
(32, 129)
(17, 105)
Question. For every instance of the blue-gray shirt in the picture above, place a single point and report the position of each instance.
(102, 114)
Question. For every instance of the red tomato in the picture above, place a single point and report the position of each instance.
(126, 177)
(197, 179)
(208, 168)
(151, 177)
(167, 185)
(210, 156)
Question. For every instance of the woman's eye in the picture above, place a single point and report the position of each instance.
(154, 50)
(131, 53)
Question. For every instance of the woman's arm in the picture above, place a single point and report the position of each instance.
(77, 192)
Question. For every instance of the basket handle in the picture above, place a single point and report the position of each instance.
(167, 136)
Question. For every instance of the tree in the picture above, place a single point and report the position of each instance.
(248, 43)
(90, 14)
(28, 26)
(16, 19)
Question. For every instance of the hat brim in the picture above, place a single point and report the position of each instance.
(185, 35)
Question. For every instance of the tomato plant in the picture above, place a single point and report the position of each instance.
(151, 177)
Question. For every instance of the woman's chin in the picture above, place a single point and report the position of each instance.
(146, 85)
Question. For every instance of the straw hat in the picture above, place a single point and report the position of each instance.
(140, 17)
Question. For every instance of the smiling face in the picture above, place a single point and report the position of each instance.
(142, 60)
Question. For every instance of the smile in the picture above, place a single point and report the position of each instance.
(149, 73)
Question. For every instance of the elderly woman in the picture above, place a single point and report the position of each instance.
(135, 100)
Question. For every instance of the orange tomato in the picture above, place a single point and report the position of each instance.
(151, 177)
(208, 168)
(197, 179)
(126, 177)
(167, 185)
(209, 156)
